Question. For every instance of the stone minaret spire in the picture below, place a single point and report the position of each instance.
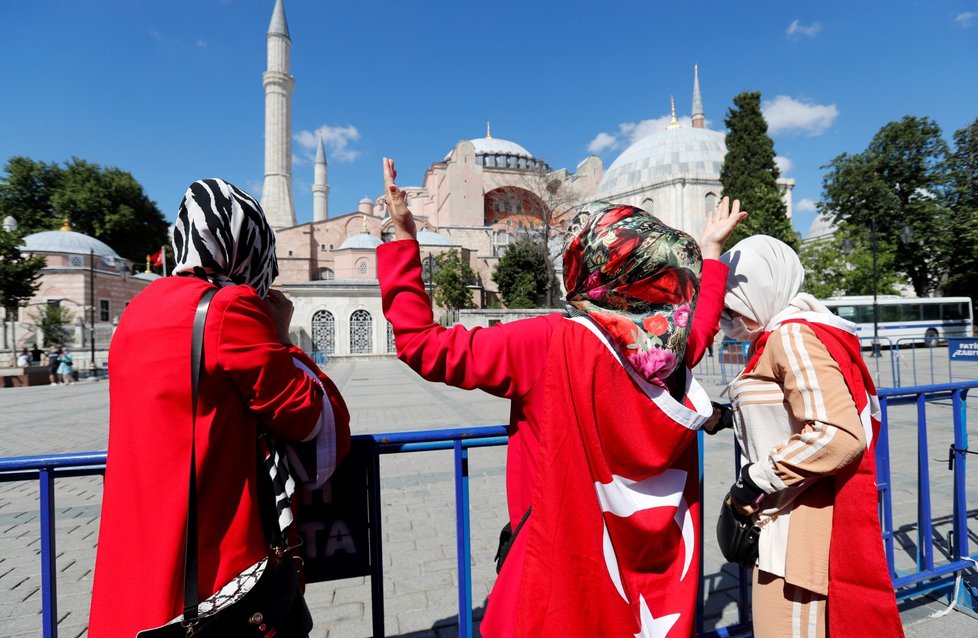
(320, 187)
(276, 194)
(698, 120)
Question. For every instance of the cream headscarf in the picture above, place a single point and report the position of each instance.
(763, 285)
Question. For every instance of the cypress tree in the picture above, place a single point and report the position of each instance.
(750, 174)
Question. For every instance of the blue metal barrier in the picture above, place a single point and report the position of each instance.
(928, 576)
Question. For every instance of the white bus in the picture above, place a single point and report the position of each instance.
(926, 318)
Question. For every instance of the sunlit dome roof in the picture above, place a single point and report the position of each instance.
(681, 152)
(496, 146)
(66, 241)
(821, 228)
(361, 240)
(429, 238)
(148, 276)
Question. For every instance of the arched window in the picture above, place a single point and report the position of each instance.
(391, 348)
(711, 202)
(325, 274)
(323, 332)
(361, 332)
(362, 267)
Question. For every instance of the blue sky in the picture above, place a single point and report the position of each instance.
(170, 90)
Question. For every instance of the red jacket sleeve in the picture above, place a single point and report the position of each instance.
(504, 360)
(285, 400)
(709, 305)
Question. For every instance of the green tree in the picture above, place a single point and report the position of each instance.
(54, 320)
(750, 174)
(106, 203)
(452, 279)
(18, 274)
(962, 198)
(843, 265)
(521, 274)
(895, 189)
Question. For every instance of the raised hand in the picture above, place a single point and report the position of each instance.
(404, 227)
(720, 224)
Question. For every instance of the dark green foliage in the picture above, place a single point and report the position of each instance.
(844, 265)
(898, 186)
(452, 279)
(106, 203)
(18, 274)
(54, 320)
(521, 275)
(750, 174)
(962, 196)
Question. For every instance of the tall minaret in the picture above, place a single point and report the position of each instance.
(698, 119)
(320, 188)
(276, 194)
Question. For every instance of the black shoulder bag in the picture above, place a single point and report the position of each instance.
(737, 535)
(274, 605)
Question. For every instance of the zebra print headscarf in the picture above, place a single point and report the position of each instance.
(221, 230)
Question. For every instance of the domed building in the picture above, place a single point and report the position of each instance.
(675, 173)
(85, 276)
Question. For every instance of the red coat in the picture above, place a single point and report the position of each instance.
(507, 360)
(249, 378)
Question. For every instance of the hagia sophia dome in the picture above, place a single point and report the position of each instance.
(495, 152)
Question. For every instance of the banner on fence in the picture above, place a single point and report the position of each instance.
(962, 349)
(333, 522)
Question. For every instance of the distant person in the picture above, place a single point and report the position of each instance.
(255, 385)
(54, 362)
(602, 468)
(66, 367)
(807, 419)
(36, 354)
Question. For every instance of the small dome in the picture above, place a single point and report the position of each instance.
(822, 228)
(147, 276)
(429, 238)
(683, 152)
(66, 241)
(361, 240)
(9, 223)
(366, 200)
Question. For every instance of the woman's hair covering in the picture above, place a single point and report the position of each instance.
(222, 230)
(764, 275)
(638, 279)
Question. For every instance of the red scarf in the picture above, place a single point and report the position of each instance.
(861, 601)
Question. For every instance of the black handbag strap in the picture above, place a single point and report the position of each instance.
(190, 593)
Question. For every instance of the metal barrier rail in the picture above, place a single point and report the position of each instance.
(928, 577)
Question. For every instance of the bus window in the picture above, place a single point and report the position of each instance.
(890, 312)
(846, 312)
(911, 312)
(953, 311)
(864, 314)
(932, 312)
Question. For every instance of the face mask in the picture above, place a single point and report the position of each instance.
(737, 330)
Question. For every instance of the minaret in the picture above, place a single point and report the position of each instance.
(276, 194)
(320, 188)
(698, 120)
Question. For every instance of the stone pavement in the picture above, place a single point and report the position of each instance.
(418, 506)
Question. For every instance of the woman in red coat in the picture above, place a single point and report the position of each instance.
(602, 466)
(254, 380)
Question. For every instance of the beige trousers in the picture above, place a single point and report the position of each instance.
(781, 610)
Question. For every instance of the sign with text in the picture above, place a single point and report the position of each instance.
(962, 349)
(333, 522)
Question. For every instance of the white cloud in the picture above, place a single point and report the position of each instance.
(202, 44)
(966, 19)
(797, 30)
(785, 113)
(783, 163)
(806, 205)
(630, 132)
(337, 140)
(254, 187)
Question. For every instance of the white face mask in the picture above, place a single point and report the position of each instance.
(737, 330)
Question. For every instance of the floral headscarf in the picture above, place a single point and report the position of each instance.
(221, 232)
(638, 279)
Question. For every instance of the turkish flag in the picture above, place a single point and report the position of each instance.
(157, 258)
(611, 544)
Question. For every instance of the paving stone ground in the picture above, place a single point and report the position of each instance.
(420, 574)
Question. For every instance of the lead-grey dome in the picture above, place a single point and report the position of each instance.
(656, 158)
(430, 238)
(66, 241)
(361, 240)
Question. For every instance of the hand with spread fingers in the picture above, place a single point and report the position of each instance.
(404, 227)
(720, 224)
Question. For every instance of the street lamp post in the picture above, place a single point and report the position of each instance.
(92, 369)
(428, 271)
(876, 307)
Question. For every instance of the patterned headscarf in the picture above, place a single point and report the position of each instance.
(638, 279)
(221, 232)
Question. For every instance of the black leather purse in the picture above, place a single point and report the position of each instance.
(737, 535)
(274, 605)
